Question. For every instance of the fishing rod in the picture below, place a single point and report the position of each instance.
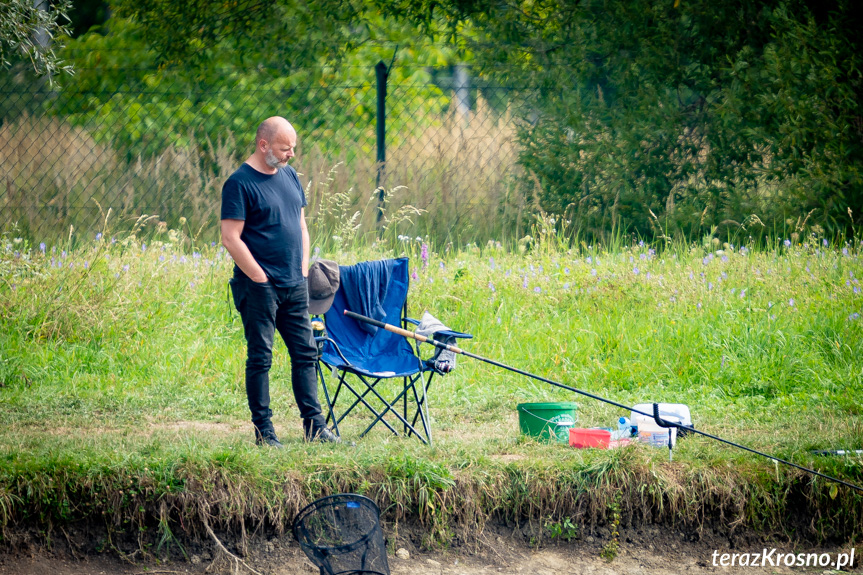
(655, 415)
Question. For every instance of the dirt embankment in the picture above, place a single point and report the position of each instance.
(645, 550)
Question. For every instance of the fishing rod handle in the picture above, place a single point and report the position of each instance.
(402, 332)
(386, 326)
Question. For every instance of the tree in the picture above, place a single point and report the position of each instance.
(31, 30)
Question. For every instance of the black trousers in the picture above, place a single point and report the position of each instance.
(264, 309)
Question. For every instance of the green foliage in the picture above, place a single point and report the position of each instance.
(564, 530)
(680, 116)
(610, 549)
(28, 30)
(129, 95)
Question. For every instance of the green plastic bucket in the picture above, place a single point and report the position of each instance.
(547, 421)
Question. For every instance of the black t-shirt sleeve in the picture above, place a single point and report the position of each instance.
(233, 204)
(299, 186)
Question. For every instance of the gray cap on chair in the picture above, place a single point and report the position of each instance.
(323, 285)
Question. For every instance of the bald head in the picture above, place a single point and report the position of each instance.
(273, 128)
(275, 142)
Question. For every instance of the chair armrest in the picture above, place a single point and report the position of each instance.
(336, 346)
(446, 332)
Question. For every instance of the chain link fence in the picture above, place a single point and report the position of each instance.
(113, 145)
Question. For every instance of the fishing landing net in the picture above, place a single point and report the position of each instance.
(341, 534)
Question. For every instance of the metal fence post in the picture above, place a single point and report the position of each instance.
(381, 72)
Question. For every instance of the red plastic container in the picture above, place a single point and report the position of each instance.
(581, 438)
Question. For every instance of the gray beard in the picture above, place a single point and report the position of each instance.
(273, 162)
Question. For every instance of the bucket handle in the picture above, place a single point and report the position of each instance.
(548, 421)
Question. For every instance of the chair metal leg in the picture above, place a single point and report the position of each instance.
(330, 404)
(378, 415)
(422, 412)
(369, 386)
(422, 408)
(390, 407)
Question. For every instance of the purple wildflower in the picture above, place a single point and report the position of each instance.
(566, 271)
(414, 274)
(824, 242)
(491, 287)
(491, 263)
(143, 247)
(787, 243)
(98, 236)
(126, 268)
(593, 272)
(42, 247)
(424, 254)
(791, 302)
(524, 283)
(537, 289)
(854, 316)
(635, 271)
(844, 251)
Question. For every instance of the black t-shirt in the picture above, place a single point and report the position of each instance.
(270, 206)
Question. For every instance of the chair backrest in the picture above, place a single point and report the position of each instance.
(383, 350)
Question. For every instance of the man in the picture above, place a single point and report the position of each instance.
(264, 230)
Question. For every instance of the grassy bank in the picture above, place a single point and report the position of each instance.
(122, 399)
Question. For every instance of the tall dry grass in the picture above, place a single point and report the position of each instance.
(54, 176)
(451, 177)
(454, 178)
(48, 170)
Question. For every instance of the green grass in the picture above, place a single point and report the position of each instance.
(123, 398)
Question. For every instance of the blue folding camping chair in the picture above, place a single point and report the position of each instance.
(361, 356)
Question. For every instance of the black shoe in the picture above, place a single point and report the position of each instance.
(314, 430)
(268, 439)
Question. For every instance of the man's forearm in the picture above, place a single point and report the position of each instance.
(245, 260)
(306, 247)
